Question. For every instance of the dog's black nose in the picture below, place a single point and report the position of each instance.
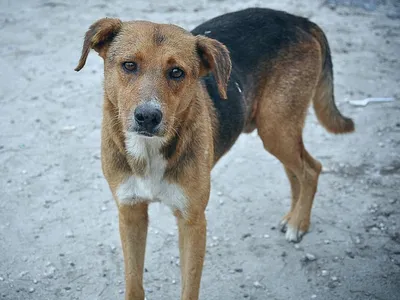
(148, 117)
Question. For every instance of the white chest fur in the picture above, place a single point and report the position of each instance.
(151, 187)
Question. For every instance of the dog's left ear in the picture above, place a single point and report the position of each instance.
(214, 57)
(98, 38)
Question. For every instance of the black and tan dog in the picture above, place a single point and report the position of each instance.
(176, 101)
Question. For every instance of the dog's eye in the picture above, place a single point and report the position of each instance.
(176, 73)
(130, 66)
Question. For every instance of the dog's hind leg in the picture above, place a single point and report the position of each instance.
(280, 117)
(297, 221)
(294, 187)
(302, 171)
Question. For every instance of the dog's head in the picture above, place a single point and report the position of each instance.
(152, 71)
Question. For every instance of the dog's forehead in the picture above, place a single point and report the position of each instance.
(138, 34)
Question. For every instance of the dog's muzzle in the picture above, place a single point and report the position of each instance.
(148, 117)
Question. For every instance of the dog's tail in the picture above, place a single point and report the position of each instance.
(324, 102)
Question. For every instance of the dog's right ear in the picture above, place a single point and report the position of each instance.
(214, 57)
(98, 38)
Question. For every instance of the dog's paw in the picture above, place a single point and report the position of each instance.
(292, 233)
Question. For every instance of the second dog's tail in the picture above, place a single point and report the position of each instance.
(324, 102)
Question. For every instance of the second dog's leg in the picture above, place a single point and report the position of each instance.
(295, 189)
(192, 245)
(133, 222)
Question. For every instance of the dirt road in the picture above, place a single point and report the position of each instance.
(58, 223)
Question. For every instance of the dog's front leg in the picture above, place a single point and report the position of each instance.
(192, 246)
(133, 222)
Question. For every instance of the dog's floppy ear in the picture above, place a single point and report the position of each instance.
(97, 37)
(214, 57)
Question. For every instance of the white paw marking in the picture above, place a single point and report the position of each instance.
(152, 187)
(293, 234)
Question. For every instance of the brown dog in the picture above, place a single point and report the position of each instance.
(176, 101)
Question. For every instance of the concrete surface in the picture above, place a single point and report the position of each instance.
(58, 223)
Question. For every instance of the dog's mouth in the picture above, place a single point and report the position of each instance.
(145, 133)
(142, 131)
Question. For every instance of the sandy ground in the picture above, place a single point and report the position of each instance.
(58, 223)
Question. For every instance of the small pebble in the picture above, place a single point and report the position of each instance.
(1, 279)
(257, 284)
(313, 296)
(68, 128)
(310, 257)
(246, 235)
(31, 290)
(69, 234)
(35, 281)
(49, 273)
(219, 193)
(324, 272)
(334, 278)
(266, 236)
(121, 291)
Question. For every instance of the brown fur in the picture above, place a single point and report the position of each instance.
(279, 102)
(323, 100)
